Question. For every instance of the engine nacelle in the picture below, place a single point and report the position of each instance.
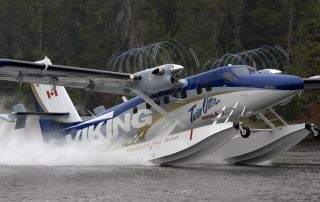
(159, 78)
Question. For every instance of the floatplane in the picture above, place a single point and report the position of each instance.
(171, 120)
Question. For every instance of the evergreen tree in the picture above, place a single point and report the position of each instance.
(306, 49)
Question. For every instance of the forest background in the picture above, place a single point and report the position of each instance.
(89, 33)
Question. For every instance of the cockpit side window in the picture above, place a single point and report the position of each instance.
(243, 70)
(251, 70)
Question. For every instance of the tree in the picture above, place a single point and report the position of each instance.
(307, 41)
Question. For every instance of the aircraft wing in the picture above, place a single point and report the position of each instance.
(43, 72)
(74, 77)
(312, 83)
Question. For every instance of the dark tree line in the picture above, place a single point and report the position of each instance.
(87, 33)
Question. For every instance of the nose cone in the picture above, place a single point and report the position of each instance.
(274, 81)
(288, 82)
(176, 68)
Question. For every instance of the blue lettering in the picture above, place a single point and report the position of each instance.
(195, 113)
(208, 103)
(205, 105)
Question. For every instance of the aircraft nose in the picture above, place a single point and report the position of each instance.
(288, 82)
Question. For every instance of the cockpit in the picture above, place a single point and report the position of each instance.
(244, 70)
(243, 76)
(232, 74)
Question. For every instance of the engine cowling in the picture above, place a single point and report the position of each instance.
(159, 78)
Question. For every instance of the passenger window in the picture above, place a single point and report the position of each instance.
(183, 94)
(166, 99)
(148, 106)
(199, 90)
(227, 77)
(175, 95)
(135, 110)
(208, 87)
(157, 101)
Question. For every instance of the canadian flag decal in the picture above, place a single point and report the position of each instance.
(52, 93)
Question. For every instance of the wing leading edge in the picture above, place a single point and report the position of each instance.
(43, 72)
(74, 77)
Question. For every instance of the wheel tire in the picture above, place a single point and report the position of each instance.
(246, 132)
(315, 135)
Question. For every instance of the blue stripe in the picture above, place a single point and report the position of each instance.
(215, 78)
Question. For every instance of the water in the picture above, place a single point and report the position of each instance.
(32, 171)
(294, 176)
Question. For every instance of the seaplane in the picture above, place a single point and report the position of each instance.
(169, 120)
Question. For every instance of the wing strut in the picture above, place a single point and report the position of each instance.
(157, 107)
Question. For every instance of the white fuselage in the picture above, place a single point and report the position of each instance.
(194, 111)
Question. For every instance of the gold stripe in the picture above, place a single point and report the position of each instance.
(176, 106)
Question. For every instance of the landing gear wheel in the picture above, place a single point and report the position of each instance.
(245, 132)
(315, 133)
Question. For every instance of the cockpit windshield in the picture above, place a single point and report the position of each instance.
(244, 70)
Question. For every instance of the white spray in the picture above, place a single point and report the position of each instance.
(25, 147)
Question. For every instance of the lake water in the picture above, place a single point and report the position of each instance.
(294, 176)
